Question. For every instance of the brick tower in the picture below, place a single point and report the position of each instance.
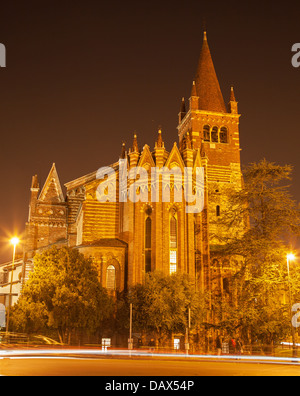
(214, 129)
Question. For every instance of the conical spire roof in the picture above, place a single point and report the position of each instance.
(232, 95)
(159, 142)
(135, 146)
(207, 84)
(123, 152)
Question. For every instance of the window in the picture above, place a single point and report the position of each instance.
(223, 135)
(4, 275)
(226, 285)
(148, 230)
(173, 243)
(173, 232)
(148, 233)
(214, 135)
(111, 278)
(79, 230)
(206, 134)
(218, 210)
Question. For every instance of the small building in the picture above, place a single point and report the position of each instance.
(6, 270)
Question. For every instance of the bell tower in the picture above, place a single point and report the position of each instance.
(213, 128)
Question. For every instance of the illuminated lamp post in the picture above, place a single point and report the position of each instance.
(290, 257)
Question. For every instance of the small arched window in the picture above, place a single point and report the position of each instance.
(173, 243)
(223, 135)
(148, 233)
(214, 135)
(111, 278)
(226, 288)
(148, 230)
(206, 133)
(173, 232)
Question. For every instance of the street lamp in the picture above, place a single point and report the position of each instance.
(14, 241)
(290, 257)
(130, 340)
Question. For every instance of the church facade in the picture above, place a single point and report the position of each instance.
(128, 238)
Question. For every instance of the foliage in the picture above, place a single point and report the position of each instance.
(260, 307)
(161, 304)
(62, 293)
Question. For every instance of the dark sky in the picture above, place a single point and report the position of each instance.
(82, 76)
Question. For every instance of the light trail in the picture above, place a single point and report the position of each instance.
(79, 353)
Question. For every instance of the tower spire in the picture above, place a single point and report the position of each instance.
(194, 90)
(206, 81)
(123, 152)
(182, 112)
(233, 104)
(232, 95)
(135, 147)
(159, 142)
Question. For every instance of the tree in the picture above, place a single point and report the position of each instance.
(62, 293)
(265, 206)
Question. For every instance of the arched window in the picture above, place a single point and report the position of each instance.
(218, 210)
(173, 232)
(173, 243)
(148, 230)
(206, 133)
(111, 278)
(215, 263)
(226, 288)
(214, 135)
(223, 135)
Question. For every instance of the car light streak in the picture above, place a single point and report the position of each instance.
(78, 353)
(289, 344)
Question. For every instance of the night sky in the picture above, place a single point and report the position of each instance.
(83, 76)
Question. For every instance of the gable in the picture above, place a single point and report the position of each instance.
(175, 159)
(52, 192)
(146, 160)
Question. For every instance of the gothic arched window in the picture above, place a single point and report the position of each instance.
(206, 133)
(148, 239)
(173, 242)
(148, 230)
(214, 135)
(111, 278)
(173, 232)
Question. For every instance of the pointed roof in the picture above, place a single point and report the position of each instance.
(194, 91)
(207, 84)
(232, 96)
(159, 143)
(175, 157)
(35, 183)
(123, 152)
(146, 158)
(52, 191)
(135, 147)
(182, 106)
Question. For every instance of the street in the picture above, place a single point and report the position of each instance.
(74, 366)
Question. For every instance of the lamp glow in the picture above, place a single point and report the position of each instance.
(14, 241)
(290, 257)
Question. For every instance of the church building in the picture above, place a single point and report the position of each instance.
(127, 239)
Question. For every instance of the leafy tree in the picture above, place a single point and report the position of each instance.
(161, 303)
(62, 293)
(260, 284)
